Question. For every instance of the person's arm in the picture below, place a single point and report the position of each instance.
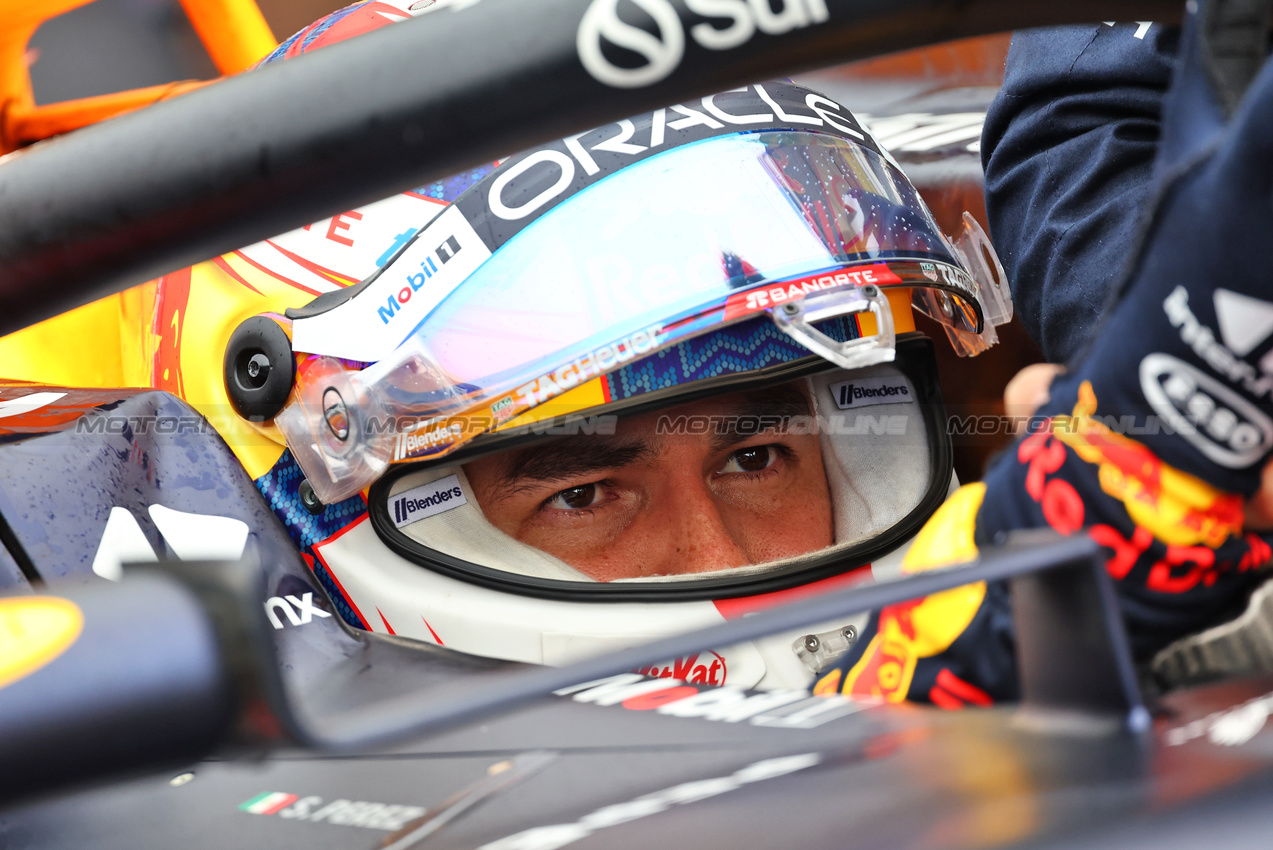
(1153, 441)
(1068, 149)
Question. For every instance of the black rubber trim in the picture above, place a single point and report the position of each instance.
(19, 554)
(273, 149)
(914, 358)
(331, 300)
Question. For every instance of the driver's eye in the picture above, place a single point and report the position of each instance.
(751, 459)
(583, 496)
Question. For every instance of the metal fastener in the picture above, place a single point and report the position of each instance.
(309, 499)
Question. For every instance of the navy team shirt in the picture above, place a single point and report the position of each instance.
(1130, 199)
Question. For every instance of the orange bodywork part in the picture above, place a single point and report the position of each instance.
(123, 339)
(234, 33)
(26, 126)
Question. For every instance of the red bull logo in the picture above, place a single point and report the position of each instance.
(922, 628)
(888, 665)
(909, 633)
(1179, 509)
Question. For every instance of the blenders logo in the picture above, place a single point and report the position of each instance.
(865, 392)
(658, 49)
(425, 438)
(427, 500)
(415, 282)
(1223, 425)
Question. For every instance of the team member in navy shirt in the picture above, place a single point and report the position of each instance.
(1129, 171)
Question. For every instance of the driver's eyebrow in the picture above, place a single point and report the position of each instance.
(572, 456)
(759, 413)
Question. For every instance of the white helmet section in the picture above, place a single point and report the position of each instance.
(876, 456)
(875, 448)
(334, 252)
(396, 596)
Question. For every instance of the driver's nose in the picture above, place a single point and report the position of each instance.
(698, 539)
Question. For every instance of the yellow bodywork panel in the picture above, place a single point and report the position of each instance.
(135, 338)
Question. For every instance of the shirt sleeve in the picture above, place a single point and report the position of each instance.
(1153, 438)
(1068, 150)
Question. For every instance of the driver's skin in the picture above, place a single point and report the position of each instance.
(646, 503)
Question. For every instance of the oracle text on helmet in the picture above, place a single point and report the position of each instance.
(729, 24)
(556, 170)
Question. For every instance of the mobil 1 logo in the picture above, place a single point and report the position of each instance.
(866, 392)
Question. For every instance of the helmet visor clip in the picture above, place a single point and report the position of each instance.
(796, 319)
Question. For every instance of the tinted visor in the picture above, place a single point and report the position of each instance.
(669, 248)
(669, 239)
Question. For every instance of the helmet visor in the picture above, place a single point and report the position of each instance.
(671, 238)
(703, 235)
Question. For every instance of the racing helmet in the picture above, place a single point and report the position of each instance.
(757, 245)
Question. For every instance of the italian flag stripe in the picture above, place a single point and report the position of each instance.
(268, 803)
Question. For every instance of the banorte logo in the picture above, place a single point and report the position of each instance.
(698, 669)
(660, 44)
